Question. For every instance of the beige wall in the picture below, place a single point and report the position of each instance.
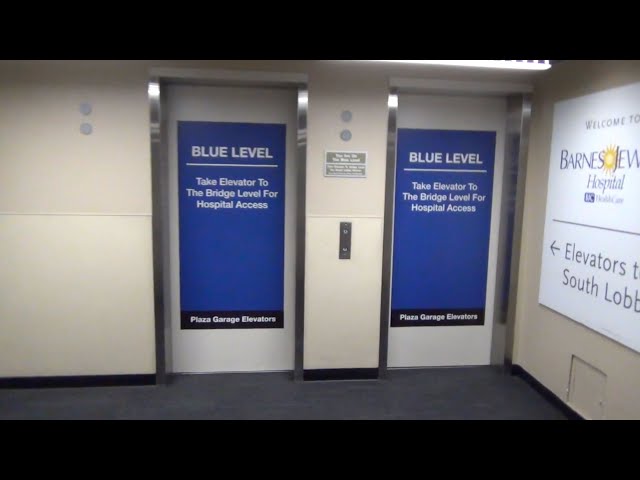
(76, 285)
(342, 297)
(76, 291)
(544, 340)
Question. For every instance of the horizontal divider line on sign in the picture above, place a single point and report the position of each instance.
(229, 165)
(452, 170)
(596, 226)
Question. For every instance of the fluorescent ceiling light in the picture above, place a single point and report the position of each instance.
(508, 64)
(153, 89)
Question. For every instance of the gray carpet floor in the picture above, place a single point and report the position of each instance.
(479, 393)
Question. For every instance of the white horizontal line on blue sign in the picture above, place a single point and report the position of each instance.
(455, 170)
(228, 165)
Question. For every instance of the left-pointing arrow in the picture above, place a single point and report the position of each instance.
(554, 248)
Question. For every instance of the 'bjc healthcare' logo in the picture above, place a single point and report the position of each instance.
(589, 197)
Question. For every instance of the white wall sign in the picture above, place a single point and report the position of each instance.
(591, 251)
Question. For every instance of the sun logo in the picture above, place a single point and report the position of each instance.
(610, 159)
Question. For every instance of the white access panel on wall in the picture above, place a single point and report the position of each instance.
(449, 166)
(232, 189)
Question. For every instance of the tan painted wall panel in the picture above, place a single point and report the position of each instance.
(48, 165)
(76, 295)
(342, 298)
(545, 340)
(330, 94)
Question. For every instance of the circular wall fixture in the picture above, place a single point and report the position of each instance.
(345, 135)
(346, 115)
(85, 108)
(86, 128)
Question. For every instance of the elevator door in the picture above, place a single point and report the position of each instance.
(232, 172)
(449, 166)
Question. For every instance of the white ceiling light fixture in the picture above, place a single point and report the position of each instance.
(505, 64)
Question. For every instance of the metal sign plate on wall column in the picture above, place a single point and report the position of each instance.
(345, 164)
